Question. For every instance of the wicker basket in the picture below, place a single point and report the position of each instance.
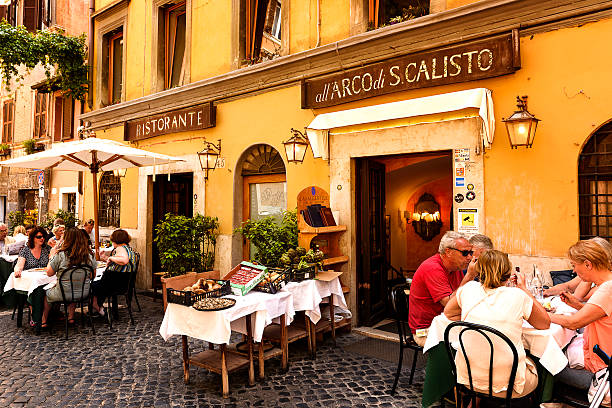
(188, 298)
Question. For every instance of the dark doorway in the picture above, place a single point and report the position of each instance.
(28, 200)
(173, 196)
(371, 241)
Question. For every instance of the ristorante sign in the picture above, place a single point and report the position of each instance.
(192, 118)
(465, 62)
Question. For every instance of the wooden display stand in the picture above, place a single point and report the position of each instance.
(330, 237)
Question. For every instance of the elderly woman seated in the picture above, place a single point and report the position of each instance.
(592, 264)
(490, 302)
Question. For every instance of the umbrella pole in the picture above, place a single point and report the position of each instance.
(96, 224)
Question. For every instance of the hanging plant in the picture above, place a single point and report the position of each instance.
(55, 51)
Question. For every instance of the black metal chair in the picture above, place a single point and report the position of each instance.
(75, 286)
(128, 291)
(399, 301)
(477, 355)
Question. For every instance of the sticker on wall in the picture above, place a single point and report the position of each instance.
(467, 219)
(459, 181)
(462, 155)
(470, 186)
(458, 198)
(459, 169)
(470, 195)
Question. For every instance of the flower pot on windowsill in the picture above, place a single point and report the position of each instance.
(38, 147)
(5, 152)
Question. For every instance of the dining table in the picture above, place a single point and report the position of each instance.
(31, 287)
(546, 345)
(249, 315)
(7, 263)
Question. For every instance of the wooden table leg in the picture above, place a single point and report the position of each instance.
(332, 317)
(250, 350)
(185, 359)
(284, 342)
(224, 377)
(313, 331)
(20, 303)
(261, 360)
(309, 333)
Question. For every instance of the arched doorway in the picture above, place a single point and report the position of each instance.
(264, 186)
(595, 185)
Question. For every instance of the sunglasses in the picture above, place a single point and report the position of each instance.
(464, 252)
(39, 236)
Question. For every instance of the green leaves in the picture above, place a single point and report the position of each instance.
(271, 239)
(69, 218)
(187, 244)
(65, 53)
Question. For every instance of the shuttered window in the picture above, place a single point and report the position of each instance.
(175, 22)
(40, 115)
(8, 120)
(64, 118)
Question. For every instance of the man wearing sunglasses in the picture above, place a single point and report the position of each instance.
(436, 280)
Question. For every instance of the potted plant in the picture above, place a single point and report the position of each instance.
(186, 248)
(69, 218)
(5, 149)
(31, 146)
(270, 238)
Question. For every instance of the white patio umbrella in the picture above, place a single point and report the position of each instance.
(93, 154)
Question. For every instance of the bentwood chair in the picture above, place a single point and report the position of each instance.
(484, 336)
(399, 301)
(75, 286)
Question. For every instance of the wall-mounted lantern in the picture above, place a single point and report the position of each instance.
(296, 146)
(119, 172)
(521, 126)
(208, 157)
(426, 217)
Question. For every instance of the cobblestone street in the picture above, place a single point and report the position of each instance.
(132, 366)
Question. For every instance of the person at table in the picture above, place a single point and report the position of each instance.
(480, 243)
(121, 263)
(73, 251)
(88, 226)
(592, 264)
(35, 254)
(436, 280)
(58, 233)
(19, 233)
(581, 291)
(490, 302)
(5, 238)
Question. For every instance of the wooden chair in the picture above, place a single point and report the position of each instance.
(487, 333)
(399, 302)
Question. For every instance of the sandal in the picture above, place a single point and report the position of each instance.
(71, 321)
(32, 323)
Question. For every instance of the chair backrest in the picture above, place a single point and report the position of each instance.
(488, 334)
(133, 274)
(399, 302)
(75, 282)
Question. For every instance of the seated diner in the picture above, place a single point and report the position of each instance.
(58, 233)
(121, 263)
(491, 303)
(74, 250)
(35, 254)
(592, 264)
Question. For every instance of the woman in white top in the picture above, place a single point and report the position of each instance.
(491, 303)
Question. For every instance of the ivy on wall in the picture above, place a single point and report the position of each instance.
(57, 50)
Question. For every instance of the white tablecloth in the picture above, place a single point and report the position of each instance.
(544, 344)
(31, 279)
(216, 327)
(9, 258)
(308, 294)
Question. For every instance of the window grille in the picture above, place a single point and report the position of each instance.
(110, 200)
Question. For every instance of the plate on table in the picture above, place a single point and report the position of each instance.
(213, 304)
(37, 270)
(102, 264)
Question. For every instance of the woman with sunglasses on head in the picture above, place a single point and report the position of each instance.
(35, 254)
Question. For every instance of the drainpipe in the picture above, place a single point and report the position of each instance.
(90, 41)
(318, 23)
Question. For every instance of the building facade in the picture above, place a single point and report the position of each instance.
(33, 112)
(403, 109)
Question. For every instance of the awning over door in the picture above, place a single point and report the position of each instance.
(480, 98)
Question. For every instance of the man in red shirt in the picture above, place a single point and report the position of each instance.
(436, 280)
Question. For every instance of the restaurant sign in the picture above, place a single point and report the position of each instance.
(192, 118)
(472, 61)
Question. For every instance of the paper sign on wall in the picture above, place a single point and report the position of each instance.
(460, 169)
(467, 219)
(462, 155)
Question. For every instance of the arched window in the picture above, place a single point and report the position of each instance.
(110, 200)
(595, 185)
(262, 159)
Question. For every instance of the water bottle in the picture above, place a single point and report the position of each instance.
(536, 284)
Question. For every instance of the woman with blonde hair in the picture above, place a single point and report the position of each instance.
(490, 302)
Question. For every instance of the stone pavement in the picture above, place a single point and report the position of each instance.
(132, 366)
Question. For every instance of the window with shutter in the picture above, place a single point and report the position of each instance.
(30, 14)
(64, 118)
(8, 119)
(175, 23)
(40, 115)
(3, 13)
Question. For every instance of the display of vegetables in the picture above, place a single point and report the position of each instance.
(299, 258)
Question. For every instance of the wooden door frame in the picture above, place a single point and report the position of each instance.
(246, 197)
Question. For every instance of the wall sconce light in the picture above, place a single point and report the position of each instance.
(208, 157)
(296, 146)
(85, 131)
(426, 217)
(119, 172)
(521, 126)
